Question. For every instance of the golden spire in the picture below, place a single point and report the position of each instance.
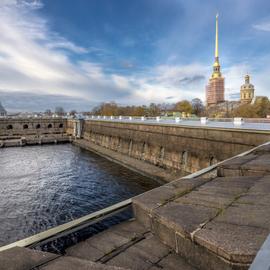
(216, 51)
(216, 66)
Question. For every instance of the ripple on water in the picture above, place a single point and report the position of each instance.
(45, 186)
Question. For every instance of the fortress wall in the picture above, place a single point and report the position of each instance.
(21, 131)
(175, 148)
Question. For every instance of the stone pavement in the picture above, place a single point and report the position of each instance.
(214, 223)
(129, 245)
(28, 259)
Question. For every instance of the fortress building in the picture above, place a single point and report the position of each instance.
(247, 91)
(215, 87)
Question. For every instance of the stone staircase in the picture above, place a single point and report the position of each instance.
(213, 223)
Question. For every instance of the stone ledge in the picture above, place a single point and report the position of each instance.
(206, 215)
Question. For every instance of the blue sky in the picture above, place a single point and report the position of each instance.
(79, 53)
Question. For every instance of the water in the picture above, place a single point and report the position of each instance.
(45, 186)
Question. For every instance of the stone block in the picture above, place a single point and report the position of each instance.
(143, 205)
(164, 233)
(70, 263)
(142, 215)
(207, 199)
(182, 218)
(83, 250)
(246, 215)
(174, 262)
(257, 198)
(19, 258)
(107, 241)
(133, 258)
(237, 244)
(233, 167)
(152, 249)
(261, 165)
(202, 257)
(129, 229)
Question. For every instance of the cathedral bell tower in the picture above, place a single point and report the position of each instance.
(215, 87)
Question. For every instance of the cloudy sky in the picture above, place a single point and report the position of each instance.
(78, 53)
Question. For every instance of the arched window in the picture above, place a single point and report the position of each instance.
(50, 126)
(38, 126)
(61, 125)
(25, 126)
(9, 127)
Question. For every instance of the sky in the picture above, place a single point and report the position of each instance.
(77, 54)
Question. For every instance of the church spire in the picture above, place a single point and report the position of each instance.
(216, 48)
(216, 66)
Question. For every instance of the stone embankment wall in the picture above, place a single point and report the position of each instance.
(174, 148)
(22, 131)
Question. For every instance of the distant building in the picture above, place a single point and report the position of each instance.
(3, 112)
(215, 87)
(247, 91)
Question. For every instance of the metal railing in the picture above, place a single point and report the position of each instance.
(69, 227)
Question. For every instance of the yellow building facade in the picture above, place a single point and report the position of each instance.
(247, 91)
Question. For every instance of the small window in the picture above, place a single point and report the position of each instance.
(9, 127)
(25, 126)
(61, 125)
(38, 126)
(50, 126)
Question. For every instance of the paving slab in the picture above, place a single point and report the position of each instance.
(235, 243)
(246, 215)
(19, 258)
(260, 165)
(233, 167)
(129, 229)
(257, 198)
(133, 258)
(174, 262)
(107, 241)
(152, 249)
(70, 263)
(143, 205)
(85, 251)
(104, 243)
(256, 163)
(184, 218)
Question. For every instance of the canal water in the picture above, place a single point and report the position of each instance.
(45, 186)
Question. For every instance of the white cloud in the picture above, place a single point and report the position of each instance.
(264, 26)
(30, 61)
(35, 59)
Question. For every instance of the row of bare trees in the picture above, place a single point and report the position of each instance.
(260, 109)
(111, 108)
